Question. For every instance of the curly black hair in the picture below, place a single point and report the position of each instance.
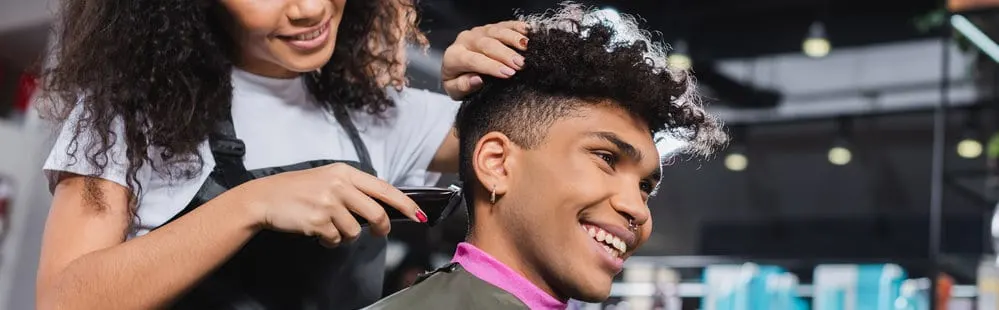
(576, 56)
(162, 69)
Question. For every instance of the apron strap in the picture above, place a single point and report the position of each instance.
(229, 150)
(340, 112)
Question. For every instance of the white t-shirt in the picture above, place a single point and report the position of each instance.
(281, 124)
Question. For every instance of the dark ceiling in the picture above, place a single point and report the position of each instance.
(716, 29)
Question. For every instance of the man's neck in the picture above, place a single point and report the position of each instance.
(506, 252)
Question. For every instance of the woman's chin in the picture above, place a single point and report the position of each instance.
(305, 67)
(306, 64)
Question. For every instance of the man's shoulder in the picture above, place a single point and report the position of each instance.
(450, 287)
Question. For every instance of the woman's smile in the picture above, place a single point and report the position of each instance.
(308, 39)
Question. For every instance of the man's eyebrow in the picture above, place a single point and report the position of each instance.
(628, 150)
(625, 147)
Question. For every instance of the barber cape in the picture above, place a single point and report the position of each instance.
(473, 280)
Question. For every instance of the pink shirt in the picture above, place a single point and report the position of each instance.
(487, 268)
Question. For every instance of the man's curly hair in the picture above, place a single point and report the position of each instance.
(162, 69)
(578, 56)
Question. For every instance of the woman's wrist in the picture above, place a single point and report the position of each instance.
(237, 204)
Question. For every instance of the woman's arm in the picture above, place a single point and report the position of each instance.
(87, 264)
(446, 158)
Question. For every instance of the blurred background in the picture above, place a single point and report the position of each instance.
(861, 174)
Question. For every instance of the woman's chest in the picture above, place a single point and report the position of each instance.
(281, 134)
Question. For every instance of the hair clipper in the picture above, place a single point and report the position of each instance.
(438, 203)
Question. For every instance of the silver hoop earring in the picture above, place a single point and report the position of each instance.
(492, 197)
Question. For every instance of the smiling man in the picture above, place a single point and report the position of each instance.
(558, 164)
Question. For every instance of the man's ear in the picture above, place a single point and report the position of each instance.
(491, 161)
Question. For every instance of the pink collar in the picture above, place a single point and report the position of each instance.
(487, 268)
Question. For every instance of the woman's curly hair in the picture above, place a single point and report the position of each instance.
(580, 56)
(162, 69)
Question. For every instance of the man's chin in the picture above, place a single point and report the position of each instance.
(592, 293)
(594, 298)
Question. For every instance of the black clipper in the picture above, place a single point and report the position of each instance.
(438, 203)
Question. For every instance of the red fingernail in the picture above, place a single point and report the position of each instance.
(523, 42)
(421, 216)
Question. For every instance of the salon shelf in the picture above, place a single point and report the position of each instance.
(696, 290)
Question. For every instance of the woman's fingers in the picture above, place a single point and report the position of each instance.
(329, 235)
(475, 62)
(490, 50)
(510, 35)
(345, 222)
(366, 208)
(494, 43)
(497, 51)
(516, 25)
(463, 85)
(375, 188)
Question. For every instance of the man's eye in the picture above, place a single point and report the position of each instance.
(608, 157)
(646, 187)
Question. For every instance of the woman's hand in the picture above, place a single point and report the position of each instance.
(321, 202)
(483, 50)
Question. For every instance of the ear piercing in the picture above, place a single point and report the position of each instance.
(492, 197)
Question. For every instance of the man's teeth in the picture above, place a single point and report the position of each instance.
(308, 36)
(611, 243)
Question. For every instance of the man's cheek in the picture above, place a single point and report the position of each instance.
(646, 232)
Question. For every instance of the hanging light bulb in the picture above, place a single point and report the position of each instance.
(736, 161)
(679, 57)
(839, 155)
(970, 146)
(816, 44)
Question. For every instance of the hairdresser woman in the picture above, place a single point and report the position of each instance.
(213, 153)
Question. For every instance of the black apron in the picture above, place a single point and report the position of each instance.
(276, 270)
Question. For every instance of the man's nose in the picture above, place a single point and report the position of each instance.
(630, 202)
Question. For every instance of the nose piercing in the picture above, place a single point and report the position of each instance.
(631, 225)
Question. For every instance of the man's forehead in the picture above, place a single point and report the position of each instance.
(609, 118)
(605, 110)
